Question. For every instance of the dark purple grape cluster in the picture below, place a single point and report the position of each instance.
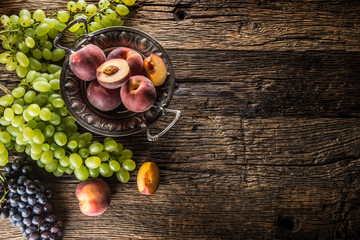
(26, 202)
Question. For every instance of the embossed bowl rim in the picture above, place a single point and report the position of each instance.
(85, 39)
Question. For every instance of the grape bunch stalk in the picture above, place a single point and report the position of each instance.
(33, 117)
(28, 37)
(25, 201)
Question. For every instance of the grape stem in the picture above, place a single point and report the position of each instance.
(8, 31)
(2, 87)
(6, 191)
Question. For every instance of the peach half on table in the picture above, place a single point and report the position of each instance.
(113, 73)
(133, 58)
(94, 196)
(85, 61)
(148, 178)
(138, 94)
(155, 69)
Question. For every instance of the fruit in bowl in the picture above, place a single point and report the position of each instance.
(133, 58)
(113, 73)
(94, 196)
(102, 98)
(138, 94)
(85, 61)
(155, 69)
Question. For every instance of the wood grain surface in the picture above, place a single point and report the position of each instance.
(269, 138)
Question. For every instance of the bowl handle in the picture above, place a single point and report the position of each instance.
(156, 137)
(57, 38)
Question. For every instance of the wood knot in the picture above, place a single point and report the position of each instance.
(179, 14)
(289, 224)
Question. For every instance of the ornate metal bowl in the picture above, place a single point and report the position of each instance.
(120, 121)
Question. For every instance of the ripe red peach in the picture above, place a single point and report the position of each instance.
(134, 59)
(155, 69)
(138, 94)
(102, 98)
(85, 61)
(148, 178)
(94, 196)
(113, 73)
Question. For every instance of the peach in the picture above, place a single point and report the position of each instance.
(85, 61)
(148, 178)
(134, 59)
(155, 69)
(94, 196)
(102, 98)
(113, 73)
(138, 94)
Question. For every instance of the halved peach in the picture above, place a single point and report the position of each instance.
(133, 58)
(113, 73)
(155, 69)
(148, 178)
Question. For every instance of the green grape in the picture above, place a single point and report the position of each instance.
(5, 44)
(63, 16)
(57, 74)
(52, 166)
(69, 170)
(29, 32)
(68, 121)
(53, 145)
(47, 157)
(117, 22)
(27, 115)
(75, 27)
(43, 39)
(46, 53)
(105, 170)
(64, 161)
(90, 9)
(57, 173)
(105, 21)
(122, 175)
(94, 173)
(5, 20)
(18, 92)
(42, 29)
(34, 109)
(121, 159)
(13, 131)
(57, 103)
(41, 126)
(114, 165)
(104, 156)
(19, 148)
(93, 162)
(39, 137)
(19, 101)
(75, 160)
(35, 64)
(24, 12)
(3, 122)
(86, 137)
(104, 4)
(21, 71)
(59, 26)
(53, 33)
(59, 153)
(38, 162)
(17, 121)
(122, 9)
(11, 65)
(44, 67)
(60, 169)
(29, 96)
(39, 15)
(53, 96)
(60, 138)
(72, 145)
(42, 86)
(84, 152)
(7, 100)
(71, 6)
(12, 39)
(129, 165)
(81, 173)
(14, 19)
(94, 26)
(25, 21)
(57, 54)
(110, 14)
(127, 153)
(81, 4)
(2, 148)
(17, 108)
(118, 150)
(37, 53)
(53, 68)
(29, 41)
(47, 45)
(129, 2)
(22, 59)
(96, 148)
(45, 114)
(28, 134)
(55, 84)
(50, 22)
(55, 119)
(45, 146)
(81, 144)
(5, 57)
(5, 137)
(8, 114)
(110, 145)
(36, 157)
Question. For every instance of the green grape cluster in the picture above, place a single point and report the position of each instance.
(36, 121)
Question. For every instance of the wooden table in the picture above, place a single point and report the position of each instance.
(268, 145)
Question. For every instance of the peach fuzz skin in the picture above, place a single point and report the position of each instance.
(148, 178)
(133, 58)
(93, 196)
